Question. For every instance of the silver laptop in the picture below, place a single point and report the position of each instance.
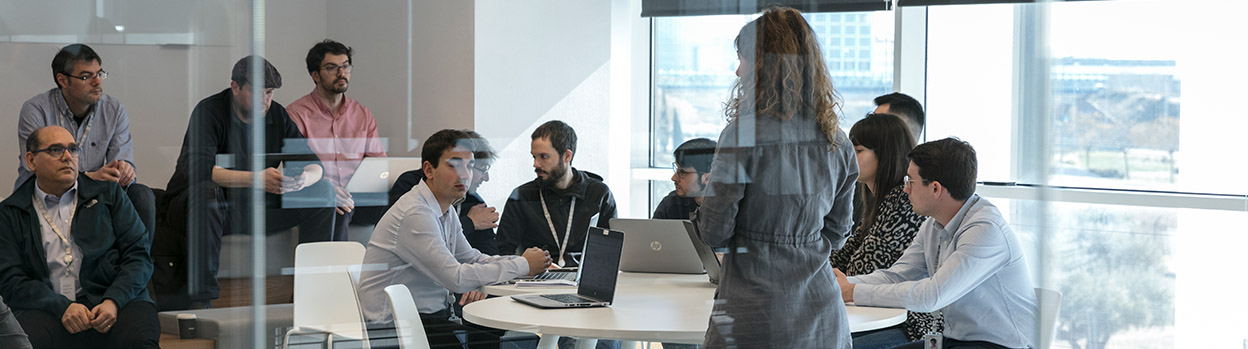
(706, 254)
(658, 246)
(370, 185)
(599, 273)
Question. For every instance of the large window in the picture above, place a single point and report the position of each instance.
(1113, 112)
(1107, 131)
(695, 61)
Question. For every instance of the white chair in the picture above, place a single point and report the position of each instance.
(326, 302)
(1050, 301)
(406, 318)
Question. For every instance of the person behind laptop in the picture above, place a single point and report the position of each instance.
(98, 122)
(780, 194)
(965, 262)
(881, 142)
(692, 172)
(74, 260)
(340, 130)
(210, 190)
(477, 219)
(905, 107)
(419, 241)
(910, 112)
(554, 211)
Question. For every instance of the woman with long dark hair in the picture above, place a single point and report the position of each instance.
(781, 192)
(881, 142)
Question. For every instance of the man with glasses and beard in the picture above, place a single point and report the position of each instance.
(692, 173)
(340, 130)
(98, 122)
(554, 211)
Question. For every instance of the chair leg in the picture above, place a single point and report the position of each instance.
(548, 341)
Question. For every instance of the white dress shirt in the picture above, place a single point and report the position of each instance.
(980, 281)
(418, 245)
(60, 210)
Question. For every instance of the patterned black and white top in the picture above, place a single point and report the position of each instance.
(881, 244)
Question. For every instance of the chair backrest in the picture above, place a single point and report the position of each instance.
(406, 318)
(1050, 301)
(325, 297)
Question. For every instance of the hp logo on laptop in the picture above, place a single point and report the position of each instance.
(655, 245)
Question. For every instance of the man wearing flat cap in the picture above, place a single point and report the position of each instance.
(211, 187)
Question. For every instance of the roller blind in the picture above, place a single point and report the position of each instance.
(670, 8)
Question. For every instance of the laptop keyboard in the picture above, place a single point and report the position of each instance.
(567, 298)
(554, 276)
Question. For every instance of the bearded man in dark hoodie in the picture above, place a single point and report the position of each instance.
(554, 211)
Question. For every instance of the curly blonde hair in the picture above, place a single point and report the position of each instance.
(788, 75)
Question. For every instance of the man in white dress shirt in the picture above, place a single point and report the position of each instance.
(421, 244)
(965, 262)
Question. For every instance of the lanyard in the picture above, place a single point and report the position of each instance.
(69, 254)
(563, 246)
(86, 126)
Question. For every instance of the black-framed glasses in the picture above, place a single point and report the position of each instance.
(906, 183)
(681, 173)
(102, 75)
(57, 151)
(345, 68)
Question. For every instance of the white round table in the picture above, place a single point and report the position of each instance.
(672, 308)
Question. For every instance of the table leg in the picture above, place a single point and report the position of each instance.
(586, 343)
(629, 345)
(548, 341)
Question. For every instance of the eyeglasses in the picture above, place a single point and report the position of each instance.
(681, 173)
(346, 68)
(906, 183)
(102, 75)
(481, 166)
(57, 151)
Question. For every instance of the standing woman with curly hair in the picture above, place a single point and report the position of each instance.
(781, 192)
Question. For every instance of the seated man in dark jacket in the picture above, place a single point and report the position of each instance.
(692, 172)
(210, 190)
(74, 260)
(555, 210)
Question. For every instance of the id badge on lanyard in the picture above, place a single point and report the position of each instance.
(69, 287)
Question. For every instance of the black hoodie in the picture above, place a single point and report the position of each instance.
(523, 224)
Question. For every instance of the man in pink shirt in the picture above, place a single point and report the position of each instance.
(339, 129)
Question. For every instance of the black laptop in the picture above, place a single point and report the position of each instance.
(598, 274)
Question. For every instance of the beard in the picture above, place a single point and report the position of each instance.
(554, 175)
(334, 86)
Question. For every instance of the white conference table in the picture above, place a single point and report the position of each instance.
(671, 308)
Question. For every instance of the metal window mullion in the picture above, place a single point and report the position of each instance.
(910, 53)
(257, 176)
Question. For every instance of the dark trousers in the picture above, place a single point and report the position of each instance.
(145, 204)
(443, 333)
(208, 216)
(948, 343)
(136, 327)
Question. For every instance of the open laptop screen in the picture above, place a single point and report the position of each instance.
(601, 266)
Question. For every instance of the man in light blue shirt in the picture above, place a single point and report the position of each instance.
(965, 262)
(97, 121)
(419, 243)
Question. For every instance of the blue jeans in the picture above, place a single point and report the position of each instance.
(882, 338)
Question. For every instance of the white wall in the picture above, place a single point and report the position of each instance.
(541, 61)
(160, 84)
(500, 67)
